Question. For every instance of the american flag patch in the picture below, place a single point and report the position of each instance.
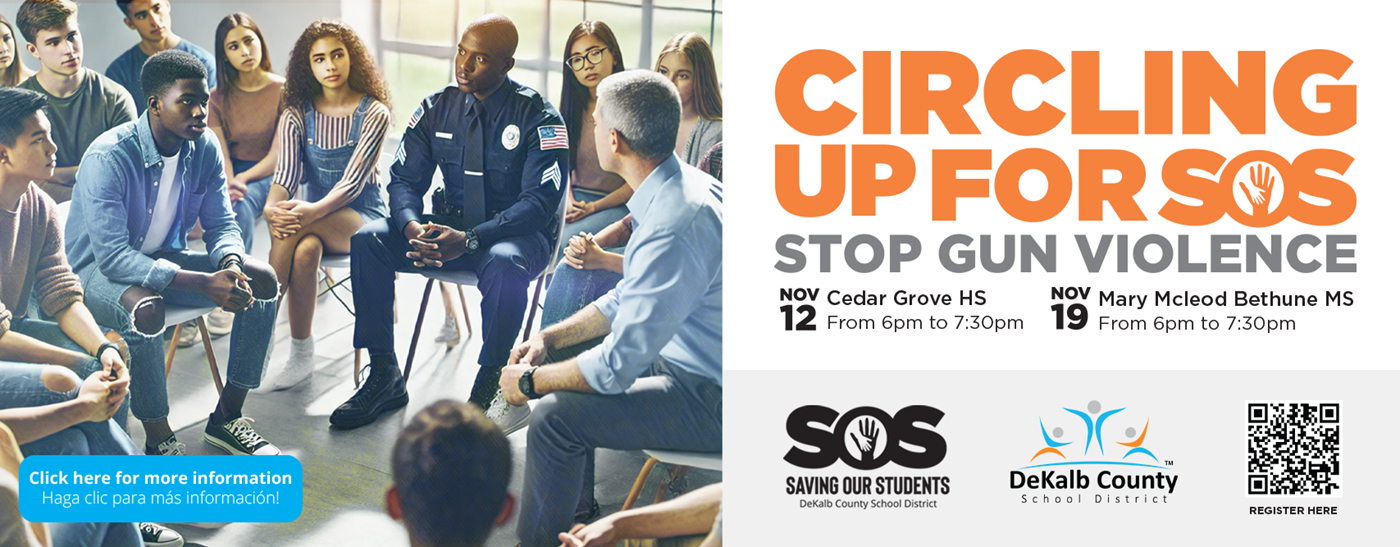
(551, 175)
(553, 137)
(417, 115)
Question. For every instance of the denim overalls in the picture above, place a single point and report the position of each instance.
(325, 167)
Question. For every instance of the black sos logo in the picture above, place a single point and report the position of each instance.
(866, 437)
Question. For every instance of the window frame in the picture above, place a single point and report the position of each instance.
(547, 66)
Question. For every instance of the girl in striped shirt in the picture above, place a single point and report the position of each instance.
(334, 117)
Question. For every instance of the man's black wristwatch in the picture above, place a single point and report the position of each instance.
(471, 243)
(527, 383)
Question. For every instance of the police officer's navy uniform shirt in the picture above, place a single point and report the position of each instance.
(526, 160)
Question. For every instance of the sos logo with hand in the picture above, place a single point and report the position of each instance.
(866, 437)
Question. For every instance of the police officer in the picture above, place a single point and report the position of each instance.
(503, 153)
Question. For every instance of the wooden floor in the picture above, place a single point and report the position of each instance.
(346, 472)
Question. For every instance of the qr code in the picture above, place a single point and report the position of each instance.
(1295, 449)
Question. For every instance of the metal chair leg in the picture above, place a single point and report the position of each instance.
(640, 482)
(209, 354)
(417, 330)
(331, 287)
(534, 304)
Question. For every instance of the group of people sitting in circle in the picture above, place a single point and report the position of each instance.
(629, 351)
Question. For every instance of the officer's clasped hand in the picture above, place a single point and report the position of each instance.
(437, 244)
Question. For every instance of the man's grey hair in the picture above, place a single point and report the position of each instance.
(645, 108)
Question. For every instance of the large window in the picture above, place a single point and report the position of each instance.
(418, 38)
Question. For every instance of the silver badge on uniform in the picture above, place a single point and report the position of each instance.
(510, 138)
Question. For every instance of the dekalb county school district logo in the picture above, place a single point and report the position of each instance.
(1081, 451)
(866, 437)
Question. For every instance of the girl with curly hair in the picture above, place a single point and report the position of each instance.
(12, 71)
(334, 117)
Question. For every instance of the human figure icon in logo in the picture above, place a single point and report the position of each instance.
(1052, 446)
(1095, 426)
(1136, 444)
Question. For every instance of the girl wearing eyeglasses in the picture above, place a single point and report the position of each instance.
(687, 61)
(596, 262)
(597, 198)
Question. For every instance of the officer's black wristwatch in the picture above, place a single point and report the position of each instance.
(471, 243)
(527, 384)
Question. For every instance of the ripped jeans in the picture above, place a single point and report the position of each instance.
(252, 332)
(49, 333)
(21, 387)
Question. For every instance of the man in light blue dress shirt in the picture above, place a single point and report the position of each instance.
(662, 321)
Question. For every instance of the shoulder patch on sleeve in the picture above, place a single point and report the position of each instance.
(554, 137)
(551, 176)
(425, 105)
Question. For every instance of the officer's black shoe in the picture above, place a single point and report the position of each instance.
(384, 391)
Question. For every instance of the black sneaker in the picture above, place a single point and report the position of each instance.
(237, 437)
(155, 535)
(168, 447)
(384, 391)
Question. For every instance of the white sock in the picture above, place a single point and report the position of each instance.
(304, 348)
(299, 364)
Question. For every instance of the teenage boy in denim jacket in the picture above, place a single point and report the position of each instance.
(143, 185)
